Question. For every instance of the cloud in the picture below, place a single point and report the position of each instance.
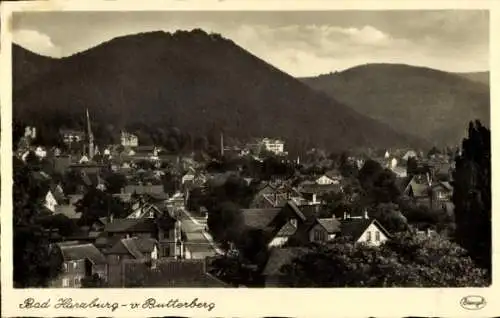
(36, 41)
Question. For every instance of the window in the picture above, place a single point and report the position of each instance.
(377, 236)
(78, 282)
(319, 235)
(368, 236)
(74, 265)
(65, 267)
(65, 282)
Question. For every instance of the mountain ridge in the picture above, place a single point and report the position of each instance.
(194, 81)
(436, 105)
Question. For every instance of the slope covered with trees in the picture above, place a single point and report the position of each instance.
(200, 83)
(412, 100)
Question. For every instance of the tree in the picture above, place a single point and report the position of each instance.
(225, 222)
(390, 217)
(434, 151)
(96, 204)
(36, 263)
(115, 182)
(405, 261)
(411, 166)
(346, 167)
(472, 194)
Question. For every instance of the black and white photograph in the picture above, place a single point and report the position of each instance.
(251, 149)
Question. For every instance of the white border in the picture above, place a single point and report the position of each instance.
(342, 302)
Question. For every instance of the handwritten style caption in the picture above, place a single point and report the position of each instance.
(149, 303)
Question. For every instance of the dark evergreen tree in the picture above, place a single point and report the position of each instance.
(472, 194)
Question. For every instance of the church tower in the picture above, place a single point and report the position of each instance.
(90, 137)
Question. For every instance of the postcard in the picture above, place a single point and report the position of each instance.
(248, 158)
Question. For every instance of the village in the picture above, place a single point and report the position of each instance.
(130, 215)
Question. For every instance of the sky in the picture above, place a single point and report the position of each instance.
(301, 43)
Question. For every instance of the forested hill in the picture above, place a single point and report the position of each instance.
(481, 77)
(195, 81)
(412, 100)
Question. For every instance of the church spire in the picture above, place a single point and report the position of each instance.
(90, 137)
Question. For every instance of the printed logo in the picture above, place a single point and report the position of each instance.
(473, 302)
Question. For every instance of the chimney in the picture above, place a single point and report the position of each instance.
(345, 215)
(366, 214)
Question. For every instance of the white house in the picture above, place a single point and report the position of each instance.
(50, 201)
(129, 140)
(364, 230)
(275, 146)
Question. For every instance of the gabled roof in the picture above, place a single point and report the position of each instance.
(282, 256)
(331, 225)
(131, 225)
(144, 189)
(68, 210)
(354, 228)
(259, 218)
(134, 246)
(319, 188)
(169, 273)
(75, 252)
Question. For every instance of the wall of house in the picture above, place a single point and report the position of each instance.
(278, 241)
(324, 180)
(318, 234)
(71, 276)
(373, 229)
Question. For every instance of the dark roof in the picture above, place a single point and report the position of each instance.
(281, 256)
(259, 218)
(71, 252)
(297, 210)
(134, 246)
(69, 210)
(330, 224)
(169, 273)
(144, 189)
(320, 188)
(131, 225)
(354, 228)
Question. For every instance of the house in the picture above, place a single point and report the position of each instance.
(129, 140)
(140, 248)
(53, 197)
(273, 196)
(145, 210)
(363, 230)
(409, 154)
(275, 146)
(68, 210)
(311, 191)
(144, 189)
(70, 136)
(278, 258)
(433, 194)
(324, 230)
(79, 261)
(284, 234)
(169, 273)
(400, 172)
(330, 177)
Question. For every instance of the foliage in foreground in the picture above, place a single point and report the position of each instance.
(406, 261)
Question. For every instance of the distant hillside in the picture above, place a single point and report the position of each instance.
(424, 102)
(481, 77)
(194, 81)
